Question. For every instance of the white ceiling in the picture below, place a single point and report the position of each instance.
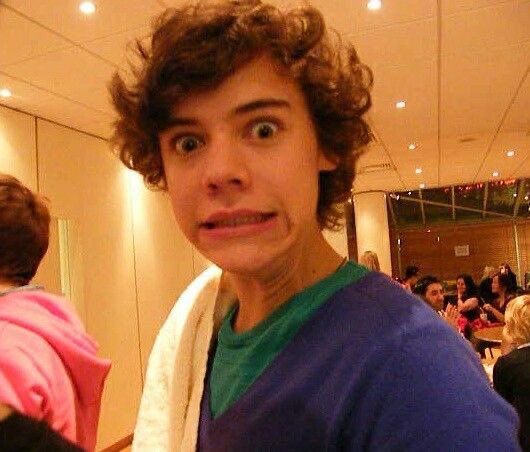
(461, 65)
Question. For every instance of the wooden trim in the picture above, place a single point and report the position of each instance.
(119, 445)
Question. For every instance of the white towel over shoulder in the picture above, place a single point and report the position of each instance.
(169, 413)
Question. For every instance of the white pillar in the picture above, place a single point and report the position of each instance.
(371, 227)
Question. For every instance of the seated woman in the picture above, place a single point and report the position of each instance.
(511, 373)
(503, 287)
(467, 304)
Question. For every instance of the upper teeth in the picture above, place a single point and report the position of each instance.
(240, 220)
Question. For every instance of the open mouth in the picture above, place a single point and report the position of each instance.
(237, 221)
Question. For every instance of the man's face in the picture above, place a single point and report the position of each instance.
(242, 165)
(435, 296)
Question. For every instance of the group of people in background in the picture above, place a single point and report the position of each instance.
(479, 305)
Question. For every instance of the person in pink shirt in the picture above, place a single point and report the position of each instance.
(48, 364)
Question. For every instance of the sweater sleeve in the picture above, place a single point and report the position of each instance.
(434, 395)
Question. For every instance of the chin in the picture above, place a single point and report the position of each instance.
(244, 260)
(239, 266)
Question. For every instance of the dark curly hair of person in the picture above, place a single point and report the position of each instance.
(198, 46)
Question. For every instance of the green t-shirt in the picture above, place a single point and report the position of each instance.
(241, 358)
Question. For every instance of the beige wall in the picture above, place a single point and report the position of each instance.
(127, 261)
(17, 146)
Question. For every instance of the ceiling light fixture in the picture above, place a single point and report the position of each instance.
(422, 186)
(87, 8)
(400, 104)
(410, 193)
(412, 146)
(418, 170)
(510, 153)
(4, 92)
(526, 198)
(515, 195)
(495, 174)
(374, 5)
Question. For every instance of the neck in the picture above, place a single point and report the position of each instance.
(7, 286)
(260, 295)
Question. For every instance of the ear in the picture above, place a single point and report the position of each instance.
(324, 163)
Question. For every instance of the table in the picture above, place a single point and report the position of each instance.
(493, 334)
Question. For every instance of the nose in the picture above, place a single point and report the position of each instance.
(226, 168)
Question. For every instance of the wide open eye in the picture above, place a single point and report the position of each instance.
(187, 144)
(263, 130)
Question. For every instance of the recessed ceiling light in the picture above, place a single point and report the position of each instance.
(410, 193)
(515, 195)
(495, 174)
(4, 92)
(374, 5)
(422, 186)
(87, 8)
(510, 153)
(418, 170)
(400, 104)
(526, 198)
(412, 146)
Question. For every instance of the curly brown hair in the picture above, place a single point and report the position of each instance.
(198, 46)
(24, 231)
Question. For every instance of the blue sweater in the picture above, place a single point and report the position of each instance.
(373, 369)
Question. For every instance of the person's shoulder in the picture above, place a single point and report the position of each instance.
(517, 357)
(382, 296)
(382, 312)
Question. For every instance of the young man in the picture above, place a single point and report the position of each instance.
(49, 370)
(430, 289)
(252, 119)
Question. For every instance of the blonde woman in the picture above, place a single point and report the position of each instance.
(511, 373)
(370, 261)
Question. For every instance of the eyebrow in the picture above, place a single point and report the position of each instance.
(261, 103)
(257, 104)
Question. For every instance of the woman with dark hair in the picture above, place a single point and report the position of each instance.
(484, 287)
(467, 297)
(503, 287)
